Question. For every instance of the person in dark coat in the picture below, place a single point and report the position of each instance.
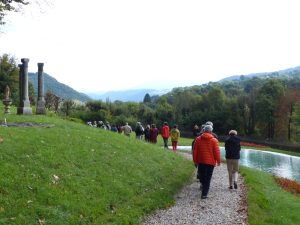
(232, 155)
(139, 131)
(147, 133)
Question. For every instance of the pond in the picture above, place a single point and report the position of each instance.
(277, 163)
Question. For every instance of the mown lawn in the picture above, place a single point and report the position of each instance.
(269, 204)
(74, 174)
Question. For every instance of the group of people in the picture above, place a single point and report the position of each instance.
(149, 133)
(206, 155)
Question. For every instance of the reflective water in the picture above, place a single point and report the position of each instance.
(279, 164)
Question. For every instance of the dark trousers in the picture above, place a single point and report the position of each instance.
(205, 171)
(165, 142)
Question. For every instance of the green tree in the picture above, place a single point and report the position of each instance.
(9, 75)
(9, 5)
(147, 98)
(67, 107)
(266, 104)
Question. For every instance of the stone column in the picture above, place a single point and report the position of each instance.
(40, 109)
(27, 110)
(20, 108)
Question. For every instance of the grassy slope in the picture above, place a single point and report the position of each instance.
(104, 178)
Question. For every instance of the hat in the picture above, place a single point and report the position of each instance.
(209, 123)
(233, 132)
(208, 128)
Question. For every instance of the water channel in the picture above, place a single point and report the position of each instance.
(281, 165)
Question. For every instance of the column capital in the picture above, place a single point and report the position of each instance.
(25, 62)
(40, 65)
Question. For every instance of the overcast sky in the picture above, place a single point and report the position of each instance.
(102, 45)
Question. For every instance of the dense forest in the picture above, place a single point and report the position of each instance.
(265, 108)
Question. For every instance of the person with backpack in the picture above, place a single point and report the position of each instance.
(139, 131)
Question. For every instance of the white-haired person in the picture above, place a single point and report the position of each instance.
(206, 155)
(232, 155)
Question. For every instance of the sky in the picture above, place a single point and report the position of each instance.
(98, 45)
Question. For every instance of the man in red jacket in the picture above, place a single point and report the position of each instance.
(165, 133)
(206, 155)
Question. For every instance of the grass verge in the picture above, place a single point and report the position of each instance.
(267, 202)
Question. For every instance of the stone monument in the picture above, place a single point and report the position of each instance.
(20, 108)
(24, 107)
(7, 100)
(40, 109)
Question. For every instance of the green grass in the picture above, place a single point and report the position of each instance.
(268, 204)
(104, 177)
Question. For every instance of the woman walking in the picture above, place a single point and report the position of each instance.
(175, 134)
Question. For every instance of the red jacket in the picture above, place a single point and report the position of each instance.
(165, 131)
(206, 150)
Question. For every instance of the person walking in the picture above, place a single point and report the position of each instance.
(147, 133)
(127, 129)
(206, 155)
(232, 155)
(139, 131)
(153, 134)
(175, 135)
(165, 133)
(196, 131)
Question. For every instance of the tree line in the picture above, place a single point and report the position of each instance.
(265, 108)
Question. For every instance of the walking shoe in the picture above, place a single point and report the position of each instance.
(230, 187)
(235, 185)
(203, 197)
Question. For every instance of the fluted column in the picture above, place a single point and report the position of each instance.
(26, 103)
(40, 109)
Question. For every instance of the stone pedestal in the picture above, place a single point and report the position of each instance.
(40, 109)
(7, 103)
(26, 109)
(7, 100)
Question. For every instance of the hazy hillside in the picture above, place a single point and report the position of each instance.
(290, 73)
(135, 95)
(59, 89)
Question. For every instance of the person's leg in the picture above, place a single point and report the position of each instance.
(165, 142)
(175, 145)
(235, 169)
(201, 174)
(208, 171)
(230, 169)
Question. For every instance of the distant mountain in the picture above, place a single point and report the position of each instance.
(134, 95)
(289, 73)
(61, 90)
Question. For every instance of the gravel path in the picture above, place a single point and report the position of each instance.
(223, 206)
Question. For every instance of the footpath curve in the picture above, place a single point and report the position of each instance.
(223, 205)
